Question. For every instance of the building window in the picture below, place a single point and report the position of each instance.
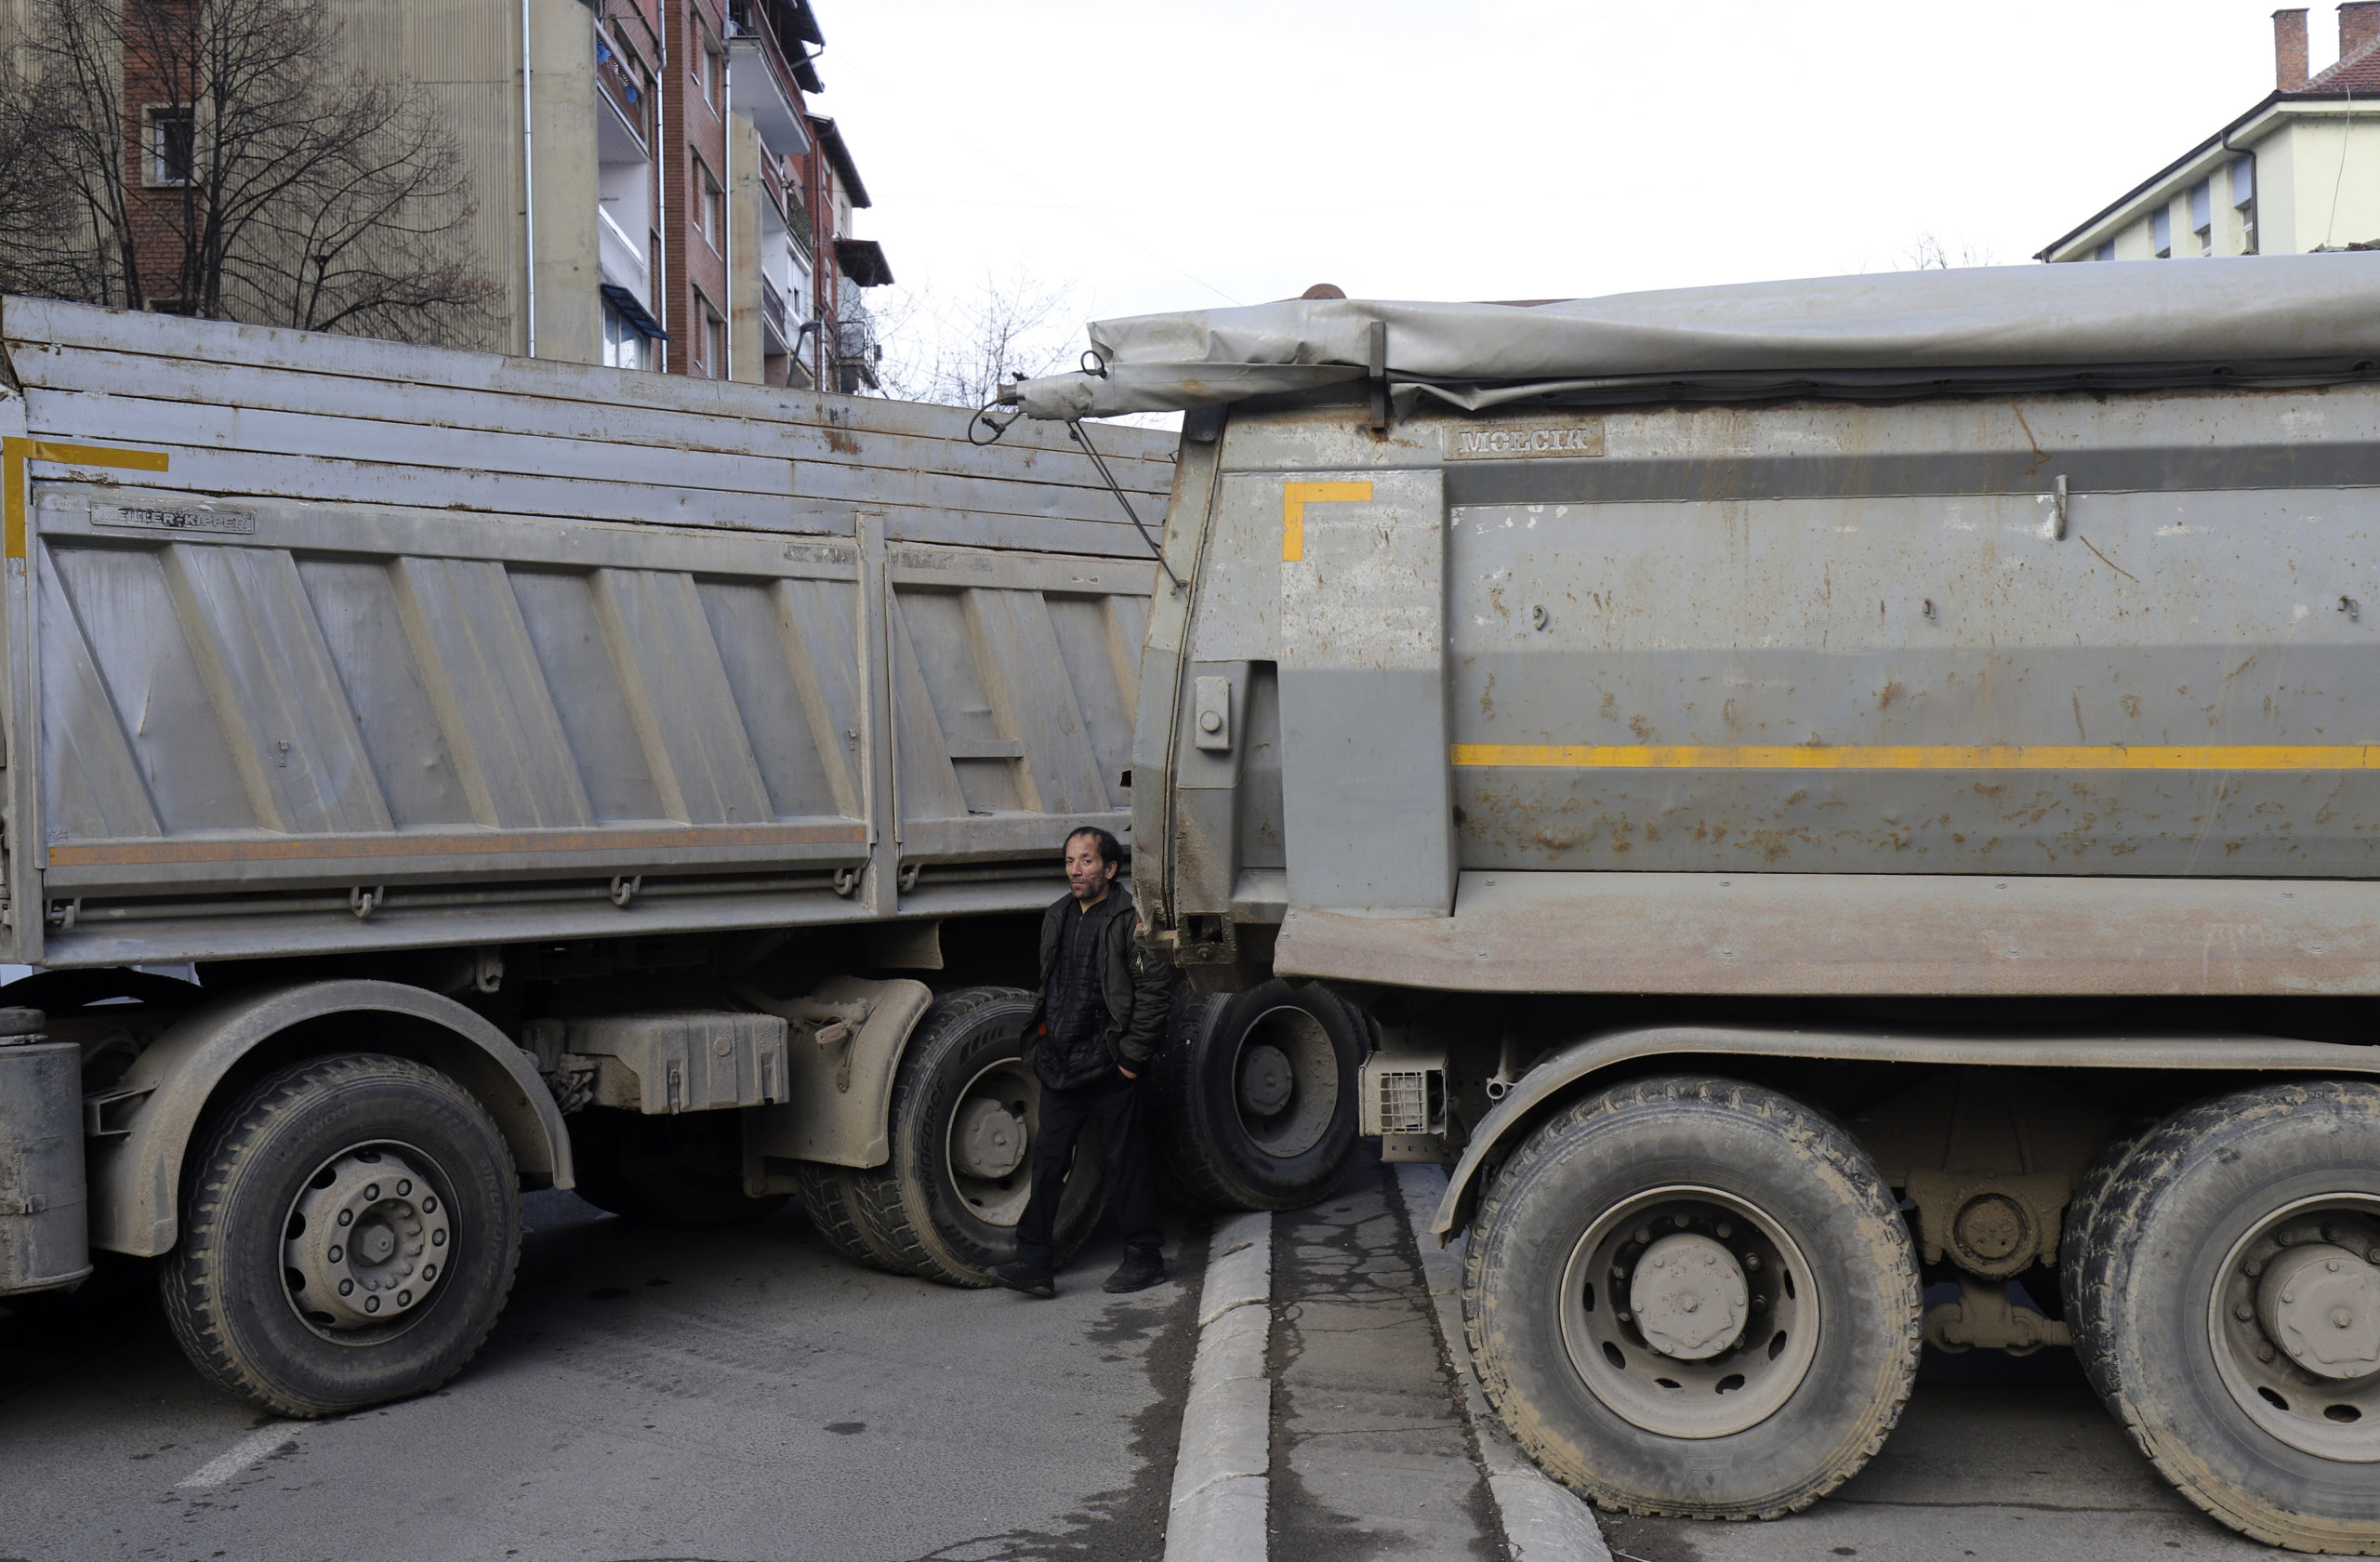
(2161, 233)
(2243, 200)
(709, 70)
(710, 337)
(2203, 215)
(711, 210)
(623, 343)
(2105, 252)
(172, 145)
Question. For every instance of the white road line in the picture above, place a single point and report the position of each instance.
(252, 1449)
(1543, 1519)
(1221, 1485)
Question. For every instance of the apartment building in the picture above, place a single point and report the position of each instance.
(2299, 171)
(686, 210)
(650, 185)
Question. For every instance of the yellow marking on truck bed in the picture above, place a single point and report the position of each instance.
(341, 847)
(1295, 496)
(15, 452)
(1951, 756)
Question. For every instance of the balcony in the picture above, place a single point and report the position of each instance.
(619, 258)
(788, 201)
(622, 88)
(761, 85)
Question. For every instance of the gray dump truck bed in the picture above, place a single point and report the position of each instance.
(320, 644)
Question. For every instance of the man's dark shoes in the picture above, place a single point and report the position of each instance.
(1024, 1277)
(1138, 1272)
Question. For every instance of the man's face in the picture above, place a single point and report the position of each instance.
(1086, 875)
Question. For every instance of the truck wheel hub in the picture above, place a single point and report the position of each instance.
(1689, 1297)
(2295, 1320)
(990, 1141)
(366, 1241)
(2320, 1303)
(1690, 1312)
(1266, 1081)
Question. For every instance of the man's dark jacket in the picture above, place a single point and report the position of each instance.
(1136, 988)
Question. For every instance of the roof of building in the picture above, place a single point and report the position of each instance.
(830, 141)
(862, 261)
(2356, 74)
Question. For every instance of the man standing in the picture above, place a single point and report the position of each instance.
(1095, 1030)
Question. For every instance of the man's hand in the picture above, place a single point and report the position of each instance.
(1126, 1072)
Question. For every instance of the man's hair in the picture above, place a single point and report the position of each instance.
(1111, 850)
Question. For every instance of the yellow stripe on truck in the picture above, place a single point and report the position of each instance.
(2027, 756)
(15, 452)
(1295, 496)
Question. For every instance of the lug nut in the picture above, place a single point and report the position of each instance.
(2243, 1312)
(1644, 1234)
(338, 1253)
(438, 1238)
(371, 1303)
(1725, 1231)
(346, 1287)
(372, 1192)
(405, 1299)
(2264, 1350)
(2253, 1267)
(429, 1273)
(347, 1217)
(429, 1204)
(405, 1186)
(1752, 1260)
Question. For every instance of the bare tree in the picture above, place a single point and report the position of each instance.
(270, 184)
(38, 211)
(956, 352)
(1927, 253)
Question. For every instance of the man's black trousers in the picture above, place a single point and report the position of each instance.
(1115, 1106)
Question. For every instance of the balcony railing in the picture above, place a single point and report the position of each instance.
(620, 257)
(621, 87)
(773, 314)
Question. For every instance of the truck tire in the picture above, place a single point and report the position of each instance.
(832, 1202)
(348, 1236)
(1258, 1104)
(2266, 1202)
(1766, 1336)
(2074, 1243)
(965, 1105)
(682, 1171)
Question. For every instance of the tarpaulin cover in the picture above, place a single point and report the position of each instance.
(2253, 312)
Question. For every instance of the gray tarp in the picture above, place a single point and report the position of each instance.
(2252, 311)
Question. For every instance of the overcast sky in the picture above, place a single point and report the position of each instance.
(1163, 155)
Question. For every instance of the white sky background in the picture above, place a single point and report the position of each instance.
(1162, 154)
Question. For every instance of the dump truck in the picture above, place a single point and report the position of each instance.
(1851, 810)
(427, 776)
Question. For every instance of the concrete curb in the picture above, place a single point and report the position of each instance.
(1543, 1519)
(1221, 1482)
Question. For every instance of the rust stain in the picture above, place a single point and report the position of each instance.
(842, 442)
(1893, 691)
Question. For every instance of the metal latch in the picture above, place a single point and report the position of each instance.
(1211, 714)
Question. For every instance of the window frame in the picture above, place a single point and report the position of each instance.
(154, 117)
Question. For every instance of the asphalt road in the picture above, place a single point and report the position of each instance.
(648, 1394)
(748, 1397)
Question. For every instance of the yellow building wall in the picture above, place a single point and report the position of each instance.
(465, 55)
